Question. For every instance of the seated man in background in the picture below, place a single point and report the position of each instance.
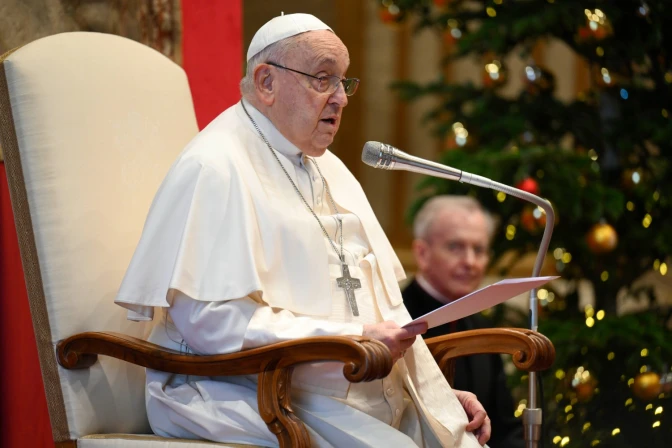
(248, 242)
(452, 249)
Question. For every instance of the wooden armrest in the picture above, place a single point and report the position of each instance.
(531, 351)
(364, 360)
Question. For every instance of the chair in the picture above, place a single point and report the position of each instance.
(89, 125)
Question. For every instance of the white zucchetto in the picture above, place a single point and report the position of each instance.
(282, 27)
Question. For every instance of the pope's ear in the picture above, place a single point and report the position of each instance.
(264, 84)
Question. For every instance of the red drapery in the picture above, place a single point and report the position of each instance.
(212, 52)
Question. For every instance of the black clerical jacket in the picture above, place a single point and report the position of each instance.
(481, 374)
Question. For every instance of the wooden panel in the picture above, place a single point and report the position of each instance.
(349, 26)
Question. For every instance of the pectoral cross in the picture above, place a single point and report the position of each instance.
(349, 284)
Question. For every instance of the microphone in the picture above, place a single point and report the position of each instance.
(387, 157)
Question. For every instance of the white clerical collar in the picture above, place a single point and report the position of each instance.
(429, 289)
(274, 137)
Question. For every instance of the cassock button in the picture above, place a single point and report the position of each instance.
(390, 391)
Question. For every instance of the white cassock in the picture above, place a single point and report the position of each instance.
(234, 259)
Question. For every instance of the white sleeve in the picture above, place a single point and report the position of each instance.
(234, 325)
(269, 325)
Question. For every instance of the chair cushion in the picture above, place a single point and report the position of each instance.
(98, 120)
(147, 441)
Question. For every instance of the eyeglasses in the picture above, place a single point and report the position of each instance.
(460, 250)
(327, 84)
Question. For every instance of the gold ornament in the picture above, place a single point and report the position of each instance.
(602, 238)
(646, 386)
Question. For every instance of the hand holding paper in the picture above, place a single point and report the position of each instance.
(480, 300)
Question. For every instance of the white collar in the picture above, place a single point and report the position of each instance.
(429, 289)
(278, 141)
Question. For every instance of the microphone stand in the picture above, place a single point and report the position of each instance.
(388, 157)
(532, 414)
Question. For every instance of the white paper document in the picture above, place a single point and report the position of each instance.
(482, 299)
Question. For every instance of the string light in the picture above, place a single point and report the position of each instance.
(646, 222)
(510, 232)
(493, 69)
(461, 133)
(606, 77)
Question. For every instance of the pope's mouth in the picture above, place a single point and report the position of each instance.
(331, 121)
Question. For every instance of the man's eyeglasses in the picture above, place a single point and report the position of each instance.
(327, 84)
(458, 249)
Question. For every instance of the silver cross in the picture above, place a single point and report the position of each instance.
(349, 284)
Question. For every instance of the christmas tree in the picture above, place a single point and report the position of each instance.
(602, 160)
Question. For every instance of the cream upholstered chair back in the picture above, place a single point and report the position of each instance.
(89, 124)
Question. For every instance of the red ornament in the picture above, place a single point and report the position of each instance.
(528, 184)
(386, 16)
(584, 34)
(532, 219)
(441, 3)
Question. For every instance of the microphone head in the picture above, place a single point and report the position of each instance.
(371, 154)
